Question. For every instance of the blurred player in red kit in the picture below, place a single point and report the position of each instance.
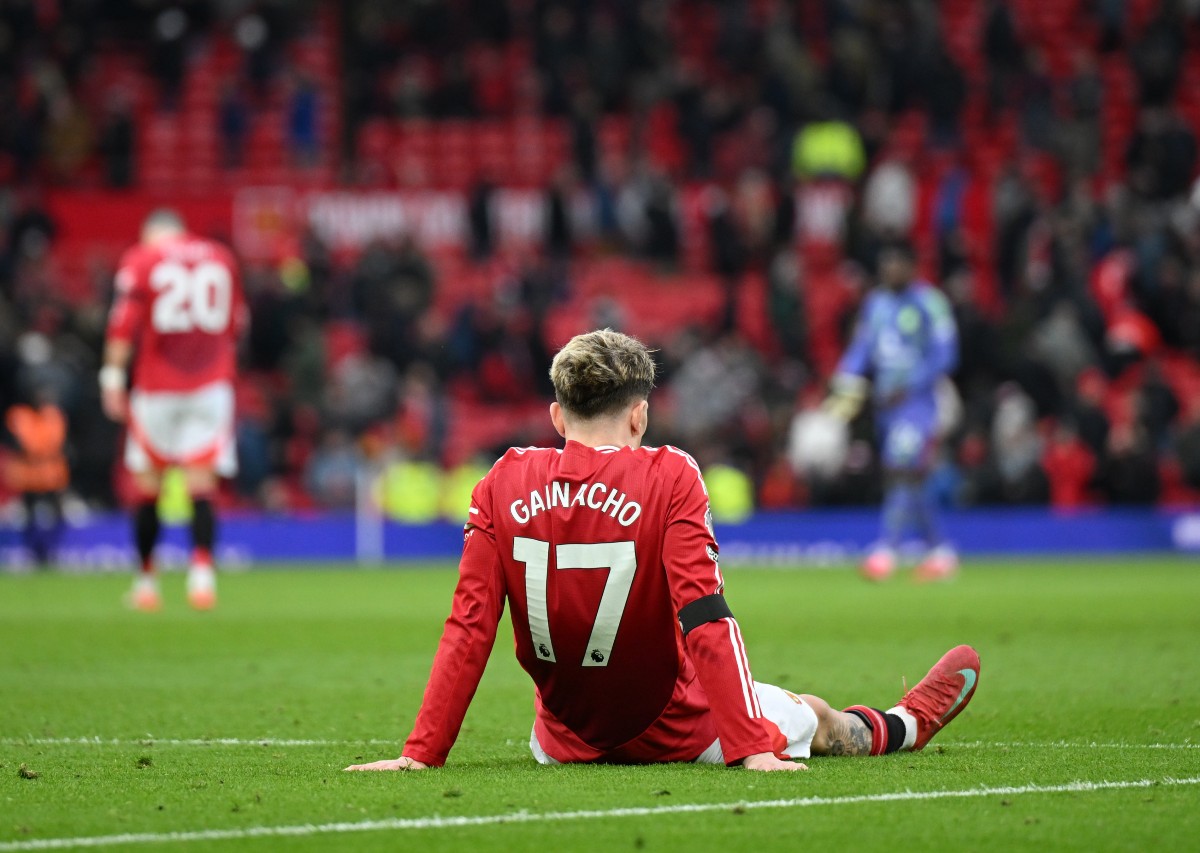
(175, 320)
(605, 553)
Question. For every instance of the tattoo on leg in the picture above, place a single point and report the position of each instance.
(849, 736)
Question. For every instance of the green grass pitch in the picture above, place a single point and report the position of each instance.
(228, 730)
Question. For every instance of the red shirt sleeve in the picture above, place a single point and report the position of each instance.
(466, 643)
(130, 299)
(716, 648)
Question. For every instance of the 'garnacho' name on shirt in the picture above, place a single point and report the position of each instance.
(595, 496)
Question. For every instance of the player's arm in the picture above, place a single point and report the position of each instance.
(941, 353)
(849, 385)
(124, 323)
(711, 633)
(462, 654)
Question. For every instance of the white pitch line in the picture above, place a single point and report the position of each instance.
(151, 740)
(437, 822)
(1066, 744)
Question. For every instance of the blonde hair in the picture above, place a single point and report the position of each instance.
(601, 372)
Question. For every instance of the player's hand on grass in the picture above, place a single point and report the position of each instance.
(401, 763)
(766, 761)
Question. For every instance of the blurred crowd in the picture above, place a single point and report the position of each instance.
(1078, 301)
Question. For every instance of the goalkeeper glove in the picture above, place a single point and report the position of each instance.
(846, 397)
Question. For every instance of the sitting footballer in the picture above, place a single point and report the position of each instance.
(604, 551)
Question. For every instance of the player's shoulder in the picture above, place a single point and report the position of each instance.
(928, 293)
(671, 461)
(137, 256)
(214, 247)
(197, 246)
(933, 300)
(876, 299)
(517, 458)
(133, 267)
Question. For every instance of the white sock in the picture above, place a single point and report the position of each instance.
(910, 726)
(201, 578)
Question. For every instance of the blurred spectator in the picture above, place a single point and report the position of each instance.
(1161, 156)
(1188, 449)
(332, 473)
(730, 491)
(1062, 345)
(68, 138)
(1014, 212)
(38, 471)
(233, 125)
(302, 133)
(117, 142)
(1018, 449)
(648, 215)
(168, 58)
(890, 200)
(1080, 133)
(480, 218)
(729, 254)
(1003, 50)
(785, 303)
(1036, 101)
(1130, 473)
(712, 385)
(412, 490)
(1086, 411)
(392, 286)
(831, 148)
(253, 35)
(360, 392)
(1070, 467)
(559, 228)
(1156, 406)
(1158, 54)
(946, 95)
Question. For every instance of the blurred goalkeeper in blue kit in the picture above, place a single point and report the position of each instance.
(904, 344)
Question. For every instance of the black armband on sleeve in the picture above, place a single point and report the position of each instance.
(707, 609)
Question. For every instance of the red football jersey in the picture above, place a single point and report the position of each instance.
(596, 551)
(179, 302)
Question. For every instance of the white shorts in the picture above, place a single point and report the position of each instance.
(797, 724)
(193, 428)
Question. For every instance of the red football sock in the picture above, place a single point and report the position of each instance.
(887, 730)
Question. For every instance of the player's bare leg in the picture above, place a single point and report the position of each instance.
(838, 733)
(201, 581)
(923, 711)
(145, 595)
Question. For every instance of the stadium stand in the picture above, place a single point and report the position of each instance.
(635, 165)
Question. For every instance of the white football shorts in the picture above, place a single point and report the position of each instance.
(797, 724)
(190, 428)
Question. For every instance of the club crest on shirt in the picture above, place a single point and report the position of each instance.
(708, 521)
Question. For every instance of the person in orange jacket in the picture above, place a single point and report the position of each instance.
(38, 470)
